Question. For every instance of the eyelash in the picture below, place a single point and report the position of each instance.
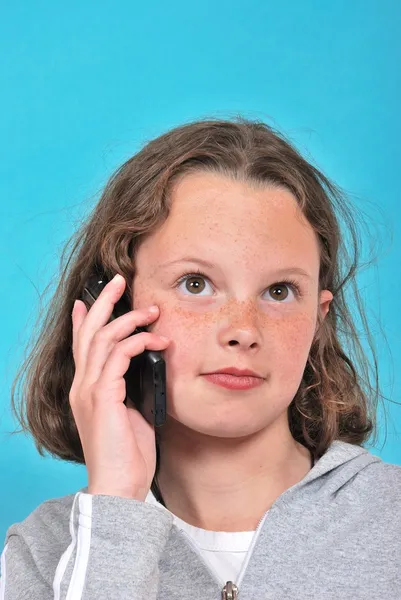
(289, 282)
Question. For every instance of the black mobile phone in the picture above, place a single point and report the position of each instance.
(145, 378)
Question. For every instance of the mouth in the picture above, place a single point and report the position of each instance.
(233, 382)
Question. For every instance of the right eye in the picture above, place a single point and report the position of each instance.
(193, 282)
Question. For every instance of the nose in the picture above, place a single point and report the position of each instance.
(241, 330)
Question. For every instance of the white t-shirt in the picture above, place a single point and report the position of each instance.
(224, 551)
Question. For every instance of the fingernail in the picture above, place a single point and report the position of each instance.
(165, 339)
(153, 308)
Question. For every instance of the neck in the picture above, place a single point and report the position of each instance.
(227, 484)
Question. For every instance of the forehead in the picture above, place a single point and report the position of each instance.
(213, 213)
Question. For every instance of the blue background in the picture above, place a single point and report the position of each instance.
(84, 84)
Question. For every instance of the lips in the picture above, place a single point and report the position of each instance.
(236, 371)
(233, 382)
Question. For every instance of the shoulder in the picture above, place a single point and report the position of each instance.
(378, 484)
(48, 524)
(387, 473)
(356, 478)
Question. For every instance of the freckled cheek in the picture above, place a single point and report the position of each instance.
(188, 335)
(293, 342)
(186, 330)
(179, 327)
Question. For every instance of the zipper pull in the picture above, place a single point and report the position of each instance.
(230, 591)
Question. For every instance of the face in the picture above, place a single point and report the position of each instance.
(239, 312)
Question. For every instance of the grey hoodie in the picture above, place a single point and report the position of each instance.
(336, 534)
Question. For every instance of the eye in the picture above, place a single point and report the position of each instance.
(282, 285)
(195, 286)
(192, 280)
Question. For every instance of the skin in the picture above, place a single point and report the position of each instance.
(227, 455)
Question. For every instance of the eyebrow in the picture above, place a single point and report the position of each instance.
(210, 265)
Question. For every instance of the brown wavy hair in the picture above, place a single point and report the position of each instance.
(335, 400)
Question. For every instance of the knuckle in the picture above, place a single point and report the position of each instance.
(73, 398)
(79, 392)
(101, 335)
(72, 395)
(96, 389)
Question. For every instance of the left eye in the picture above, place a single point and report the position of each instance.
(195, 286)
(282, 286)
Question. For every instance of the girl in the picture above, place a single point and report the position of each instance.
(258, 484)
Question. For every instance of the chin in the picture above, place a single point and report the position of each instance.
(214, 425)
(223, 414)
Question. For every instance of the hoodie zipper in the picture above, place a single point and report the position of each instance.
(230, 591)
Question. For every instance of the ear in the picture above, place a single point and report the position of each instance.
(325, 299)
(324, 304)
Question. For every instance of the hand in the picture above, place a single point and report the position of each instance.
(118, 443)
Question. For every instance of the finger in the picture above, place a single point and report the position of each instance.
(101, 310)
(78, 315)
(119, 360)
(108, 336)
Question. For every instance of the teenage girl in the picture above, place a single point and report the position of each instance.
(226, 244)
